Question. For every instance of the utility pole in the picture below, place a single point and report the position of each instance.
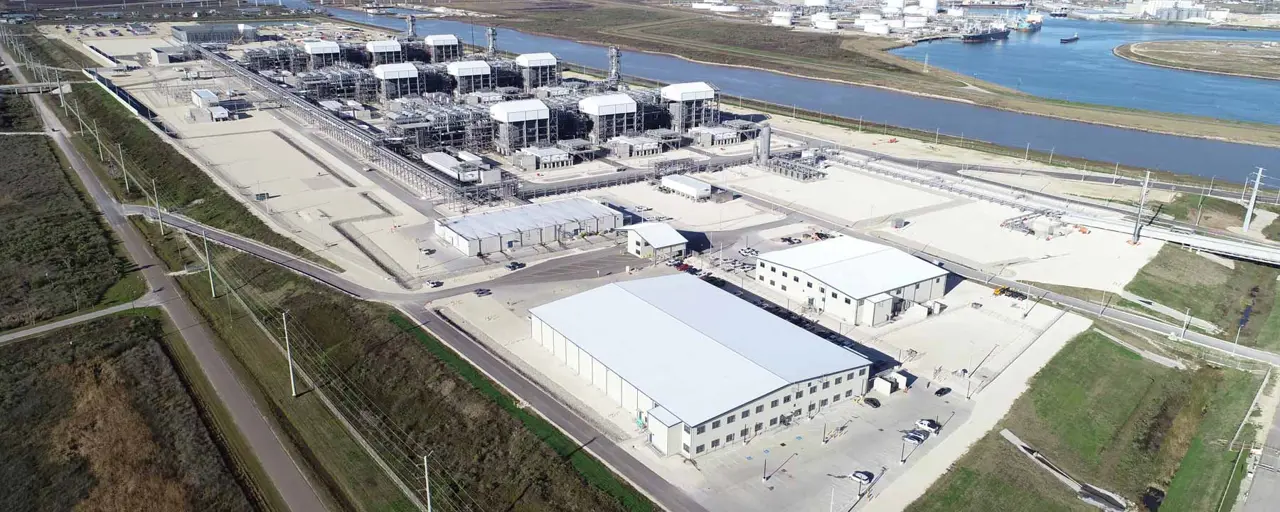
(1115, 173)
(208, 263)
(1186, 323)
(1253, 199)
(156, 197)
(99, 139)
(1027, 154)
(288, 352)
(426, 478)
(123, 172)
(1142, 205)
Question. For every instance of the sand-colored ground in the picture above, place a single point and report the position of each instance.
(972, 233)
(845, 194)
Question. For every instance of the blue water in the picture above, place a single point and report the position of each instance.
(1129, 147)
(1087, 71)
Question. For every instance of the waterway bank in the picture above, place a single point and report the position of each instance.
(1132, 52)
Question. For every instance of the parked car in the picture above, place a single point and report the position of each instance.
(942, 392)
(912, 439)
(929, 425)
(515, 265)
(863, 476)
(923, 435)
(481, 292)
(435, 284)
(871, 402)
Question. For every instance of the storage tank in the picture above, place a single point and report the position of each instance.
(930, 7)
(725, 8)
(877, 28)
(827, 24)
(781, 21)
(870, 16)
(894, 23)
(817, 3)
(702, 5)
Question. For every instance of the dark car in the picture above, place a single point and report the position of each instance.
(871, 402)
(481, 292)
(942, 392)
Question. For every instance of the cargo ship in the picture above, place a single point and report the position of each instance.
(1060, 13)
(1031, 23)
(985, 33)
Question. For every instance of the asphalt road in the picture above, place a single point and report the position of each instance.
(262, 437)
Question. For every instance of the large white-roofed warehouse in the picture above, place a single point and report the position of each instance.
(859, 282)
(700, 368)
(528, 225)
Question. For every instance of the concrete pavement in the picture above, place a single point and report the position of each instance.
(1264, 491)
(147, 300)
(261, 435)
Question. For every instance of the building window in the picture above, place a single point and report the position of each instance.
(786, 399)
(813, 389)
(771, 283)
(848, 393)
(823, 403)
(686, 448)
(715, 443)
(798, 412)
(835, 398)
(760, 426)
(862, 371)
(760, 408)
(812, 406)
(850, 375)
(917, 286)
(796, 279)
(810, 284)
(799, 395)
(715, 424)
(745, 431)
(728, 438)
(833, 295)
(702, 429)
(784, 287)
(686, 430)
(762, 278)
(745, 414)
(839, 380)
(773, 269)
(762, 264)
(730, 419)
(773, 421)
(938, 280)
(784, 273)
(826, 385)
(773, 404)
(701, 448)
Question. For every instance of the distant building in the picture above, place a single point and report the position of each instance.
(529, 225)
(215, 33)
(655, 241)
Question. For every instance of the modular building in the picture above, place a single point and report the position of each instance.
(611, 115)
(689, 187)
(470, 76)
(204, 98)
(534, 159)
(521, 124)
(655, 241)
(443, 47)
(701, 369)
(398, 79)
(538, 70)
(526, 226)
(214, 33)
(387, 51)
(691, 104)
(322, 54)
(856, 281)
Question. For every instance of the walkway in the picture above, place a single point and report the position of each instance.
(148, 300)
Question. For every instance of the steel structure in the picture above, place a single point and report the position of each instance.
(387, 51)
(538, 70)
(470, 76)
(217, 33)
(285, 57)
(691, 105)
(343, 82)
(443, 48)
(322, 54)
(425, 126)
(522, 124)
(397, 80)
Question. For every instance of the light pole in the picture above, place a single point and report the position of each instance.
(288, 352)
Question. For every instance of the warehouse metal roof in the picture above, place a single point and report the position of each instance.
(441, 40)
(694, 185)
(385, 45)
(694, 349)
(519, 110)
(689, 91)
(469, 68)
(526, 218)
(854, 267)
(607, 104)
(529, 60)
(658, 234)
(396, 71)
(319, 47)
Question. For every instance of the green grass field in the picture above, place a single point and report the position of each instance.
(1108, 417)
(1206, 211)
(17, 114)
(1181, 279)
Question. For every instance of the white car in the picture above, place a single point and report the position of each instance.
(912, 439)
(863, 476)
(929, 426)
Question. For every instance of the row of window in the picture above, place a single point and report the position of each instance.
(813, 390)
(772, 422)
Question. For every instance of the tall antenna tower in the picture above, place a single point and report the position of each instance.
(492, 33)
(615, 65)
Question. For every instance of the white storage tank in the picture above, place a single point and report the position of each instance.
(702, 5)
(817, 3)
(725, 9)
(781, 21)
(894, 23)
(870, 16)
(877, 28)
(827, 24)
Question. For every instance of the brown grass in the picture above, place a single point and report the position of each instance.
(106, 430)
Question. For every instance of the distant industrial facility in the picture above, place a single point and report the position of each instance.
(529, 225)
(859, 282)
(701, 369)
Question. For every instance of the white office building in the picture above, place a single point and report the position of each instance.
(691, 188)
(527, 225)
(701, 369)
(856, 281)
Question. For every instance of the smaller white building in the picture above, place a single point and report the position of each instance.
(655, 241)
(689, 187)
(534, 159)
(856, 281)
(204, 98)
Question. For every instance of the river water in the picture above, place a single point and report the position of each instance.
(1129, 147)
(1087, 71)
